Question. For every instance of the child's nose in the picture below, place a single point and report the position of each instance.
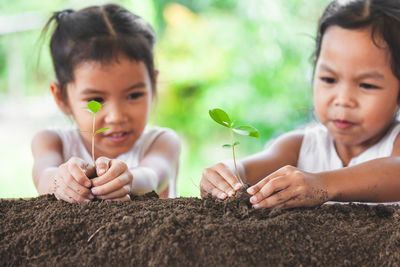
(344, 97)
(115, 113)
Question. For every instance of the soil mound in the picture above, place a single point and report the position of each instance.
(148, 231)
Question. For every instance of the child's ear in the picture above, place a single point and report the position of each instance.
(58, 98)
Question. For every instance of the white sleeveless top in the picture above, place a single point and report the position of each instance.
(318, 153)
(74, 147)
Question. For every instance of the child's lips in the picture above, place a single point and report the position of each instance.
(342, 124)
(117, 137)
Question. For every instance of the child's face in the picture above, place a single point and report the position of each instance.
(124, 90)
(355, 90)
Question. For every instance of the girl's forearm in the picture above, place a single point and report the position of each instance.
(45, 182)
(144, 180)
(373, 181)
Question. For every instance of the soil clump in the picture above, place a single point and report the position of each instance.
(148, 231)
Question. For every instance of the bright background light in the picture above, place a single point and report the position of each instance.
(251, 58)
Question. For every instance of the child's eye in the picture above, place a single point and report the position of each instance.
(369, 86)
(98, 99)
(135, 95)
(328, 80)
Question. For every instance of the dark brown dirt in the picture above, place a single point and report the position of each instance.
(148, 231)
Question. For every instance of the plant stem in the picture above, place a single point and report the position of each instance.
(93, 134)
(234, 158)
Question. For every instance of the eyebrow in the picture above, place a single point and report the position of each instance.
(372, 74)
(139, 85)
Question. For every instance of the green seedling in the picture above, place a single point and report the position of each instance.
(221, 117)
(94, 107)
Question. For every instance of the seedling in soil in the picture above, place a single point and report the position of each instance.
(221, 117)
(94, 107)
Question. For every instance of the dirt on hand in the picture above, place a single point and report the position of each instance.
(148, 231)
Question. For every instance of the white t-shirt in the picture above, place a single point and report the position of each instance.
(318, 153)
(74, 147)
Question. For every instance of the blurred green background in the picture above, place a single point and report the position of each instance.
(250, 57)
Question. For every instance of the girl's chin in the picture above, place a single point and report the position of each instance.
(346, 140)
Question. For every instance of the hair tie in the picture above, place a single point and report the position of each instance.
(63, 13)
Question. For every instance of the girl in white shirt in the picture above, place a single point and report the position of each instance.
(354, 155)
(104, 53)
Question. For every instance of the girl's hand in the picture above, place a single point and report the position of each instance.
(71, 182)
(114, 181)
(288, 187)
(219, 182)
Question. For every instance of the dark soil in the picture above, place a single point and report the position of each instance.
(148, 231)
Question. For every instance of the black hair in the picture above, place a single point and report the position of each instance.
(99, 33)
(383, 16)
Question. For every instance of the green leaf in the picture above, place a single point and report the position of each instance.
(220, 116)
(94, 106)
(229, 145)
(101, 130)
(247, 130)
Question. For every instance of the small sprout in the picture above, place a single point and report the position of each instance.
(221, 117)
(94, 107)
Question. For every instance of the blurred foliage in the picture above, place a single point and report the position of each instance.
(251, 58)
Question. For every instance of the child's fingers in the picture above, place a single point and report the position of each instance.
(122, 181)
(67, 183)
(102, 165)
(119, 193)
(291, 203)
(228, 176)
(124, 198)
(208, 188)
(76, 167)
(74, 197)
(66, 193)
(277, 199)
(218, 181)
(67, 173)
(79, 176)
(205, 188)
(257, 187)
(116, 168)
(272, 186)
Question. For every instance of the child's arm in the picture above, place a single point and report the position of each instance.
(153, 172)
(373, 181)
(67, 181)
(219, 181)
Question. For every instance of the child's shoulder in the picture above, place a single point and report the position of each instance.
(155, 136)
(46, 139)
(65, 134)
(287, 143)
(47, 135)
(155, 132)
(56, 136)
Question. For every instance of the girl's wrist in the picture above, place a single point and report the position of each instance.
(329, 184)
(47, 183)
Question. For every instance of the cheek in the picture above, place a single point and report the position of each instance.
(381, 115)
(319, 103)
(140, 113)
(84, 119)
